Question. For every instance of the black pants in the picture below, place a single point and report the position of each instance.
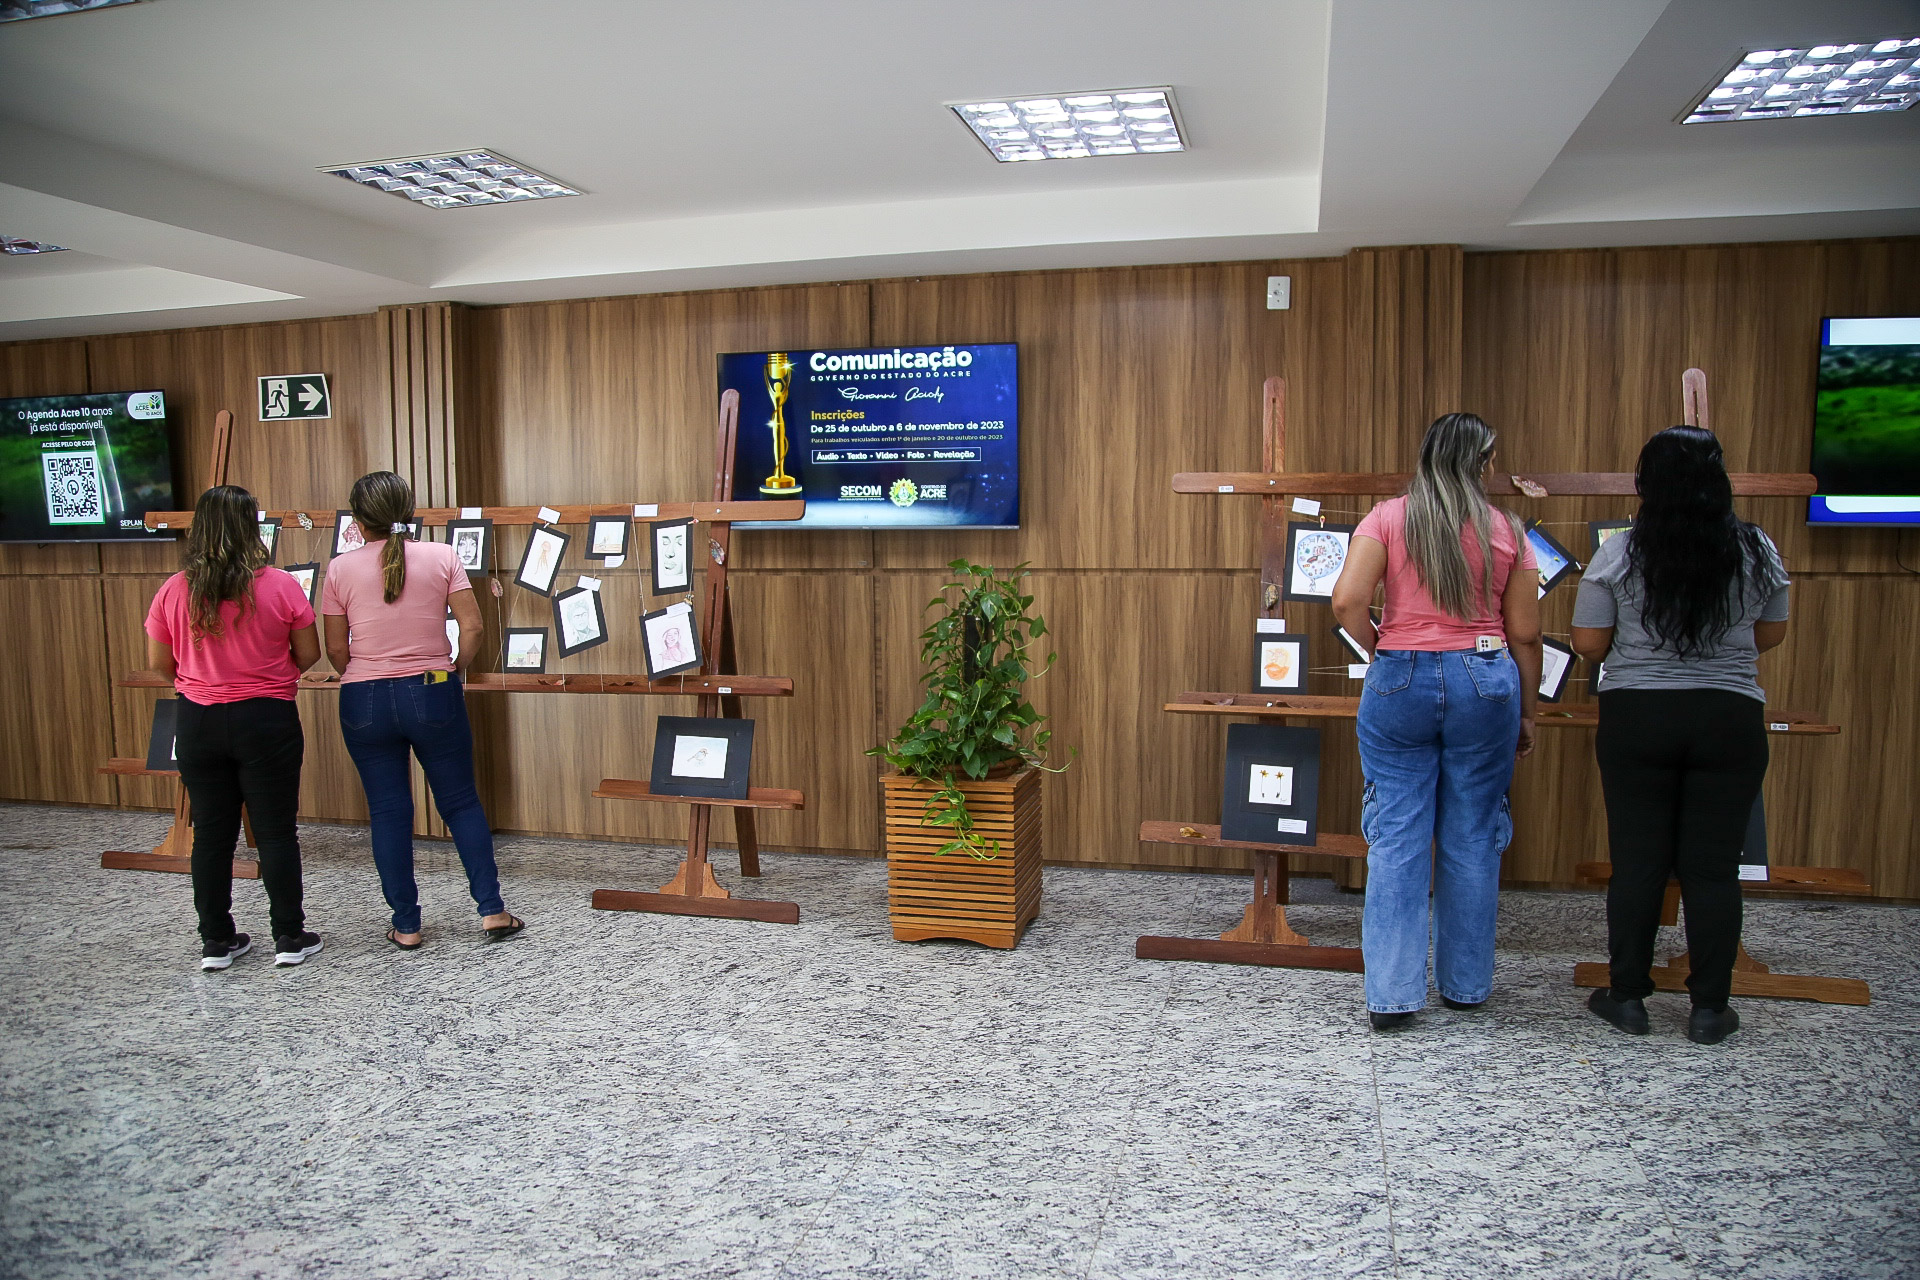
(1681, 769)
(233, 754)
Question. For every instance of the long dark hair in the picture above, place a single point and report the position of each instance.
(383, 504)
(1688, 549)
(223, 551)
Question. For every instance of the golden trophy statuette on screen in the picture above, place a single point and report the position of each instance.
(779, 383)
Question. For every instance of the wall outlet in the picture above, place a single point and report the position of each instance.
(1279, 292)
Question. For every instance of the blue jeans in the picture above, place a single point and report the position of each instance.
(381, 721)
(1437, 737)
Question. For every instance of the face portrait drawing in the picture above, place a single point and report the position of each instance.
(581, 623)
(673, 643)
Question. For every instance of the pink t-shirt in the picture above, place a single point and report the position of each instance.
(1411, 620)
(252, 657)
(407, 637)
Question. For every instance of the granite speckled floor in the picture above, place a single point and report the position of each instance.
(624, 1095)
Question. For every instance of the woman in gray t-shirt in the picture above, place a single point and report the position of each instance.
(1678, 609)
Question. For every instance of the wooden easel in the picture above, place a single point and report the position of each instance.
(693, 891)
(175, 853)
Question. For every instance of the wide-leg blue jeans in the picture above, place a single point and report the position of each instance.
(1437, 737)
(382, 720)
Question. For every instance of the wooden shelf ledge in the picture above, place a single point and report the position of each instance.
(517, 682)
(1843, 881)
(1583, 715)
(1330, 845)
(128, 767)
(1558, 484)
(757, 797)
(711, 512)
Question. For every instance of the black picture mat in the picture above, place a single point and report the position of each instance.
(312, 569)
(1351, 645)
(1753, 850)
(341, 519)
(1294, 531)
(1553, 693)
(1298, 682)
(646, 644)
(560, 631)
(526, 556)
(506, 664)
(166, 713)
(1571, 565)
(1249, 745)
(594, 525)
(739, 736)
(270, 530)
(653, 557)
(485, 527)
(1596, 528)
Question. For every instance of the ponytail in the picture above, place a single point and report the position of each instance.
(383, 500)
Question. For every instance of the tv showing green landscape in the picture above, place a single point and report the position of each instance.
(1866, 422)
(84, 468)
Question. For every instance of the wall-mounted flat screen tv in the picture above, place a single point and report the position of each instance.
(84, 468)
(1866, 423)
(887, 438)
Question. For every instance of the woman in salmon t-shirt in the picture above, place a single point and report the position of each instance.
(400, 691)
(1447, 705)
(234, 634)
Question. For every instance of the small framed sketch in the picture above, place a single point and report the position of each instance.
(1279, 658)
(607, 537)
(1753, 849)
(698, 757)
(670, 643)
(1352, 646)
(472, 542)
(1272, 786)
(526, 652)
(346, 533)
(160, 750)
(1556, 664)
(579, 620)
(1601, 530)
(1555, 561)
(1315, 556)
(308, 576)
(270, 537)
(540, 562)
(671, 542)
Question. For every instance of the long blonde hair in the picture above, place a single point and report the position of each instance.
(223, 552)
(383, 504)
(1444, 498)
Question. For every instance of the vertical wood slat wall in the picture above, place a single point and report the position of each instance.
(1128, 375)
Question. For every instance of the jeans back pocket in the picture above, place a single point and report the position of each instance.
(356, 706)
(1389, 672)
(1494, 676)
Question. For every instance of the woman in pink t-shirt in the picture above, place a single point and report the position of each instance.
(1447, 706)
(401, 694)
(234, 634)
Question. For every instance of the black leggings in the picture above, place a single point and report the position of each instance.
(1681, 769)
(243, 753)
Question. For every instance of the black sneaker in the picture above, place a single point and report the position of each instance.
(1388, 1021)
(1629, 1016)
(218, 955)
(295, 950)
(1711, 1026)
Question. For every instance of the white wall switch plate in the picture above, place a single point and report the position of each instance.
(1279, 292)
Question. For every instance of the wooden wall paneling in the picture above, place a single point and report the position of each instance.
(1403, 367)
(425, 346)
(55, 713)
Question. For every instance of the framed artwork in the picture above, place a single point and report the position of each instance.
(671, 543)
(700, 757)
(671, 644)
(1279, 658)
(1753, 850)
(160, 752)
(1315, 556)
(346, 533)
(1352, 646)
(308, 576)
(579, 620)
(540, 562)
(1601, 530)
(1272, 786)
(526, 651)
(1554, 560)
(472, 541)
(270, 536)
(607, 537)
(1556, 664)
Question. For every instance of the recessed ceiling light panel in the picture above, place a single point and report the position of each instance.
(1822, 80)
(20, 10)
(457, 180)
(14, 244)
(1076, 126)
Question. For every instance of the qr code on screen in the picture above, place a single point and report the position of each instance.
(73, 487)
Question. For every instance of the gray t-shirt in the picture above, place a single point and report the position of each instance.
(1611, 596)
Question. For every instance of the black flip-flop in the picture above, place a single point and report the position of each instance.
(500, 933)
(393, 936)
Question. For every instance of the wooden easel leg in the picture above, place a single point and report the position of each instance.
(695, 876)
(1262, 937)
(746, 835)
(175, 852)
(1265, 919)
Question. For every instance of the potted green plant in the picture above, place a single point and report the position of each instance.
(962, 807)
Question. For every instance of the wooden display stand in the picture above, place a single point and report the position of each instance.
(693, 891)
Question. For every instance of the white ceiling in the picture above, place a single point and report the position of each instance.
(175, 144)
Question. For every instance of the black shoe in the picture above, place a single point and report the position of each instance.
(1711, 1026)
(218, 955)
(1388, 1021)
(1629, 1016)
(1451, 1003)
(295, 950)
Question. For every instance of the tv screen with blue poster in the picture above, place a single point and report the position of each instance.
(881, 438)
(84, 468)
(1866, 423)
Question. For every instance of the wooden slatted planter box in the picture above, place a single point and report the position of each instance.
(955, 895)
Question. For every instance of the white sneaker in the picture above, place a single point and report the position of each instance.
(218, 955)
(295, 950)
